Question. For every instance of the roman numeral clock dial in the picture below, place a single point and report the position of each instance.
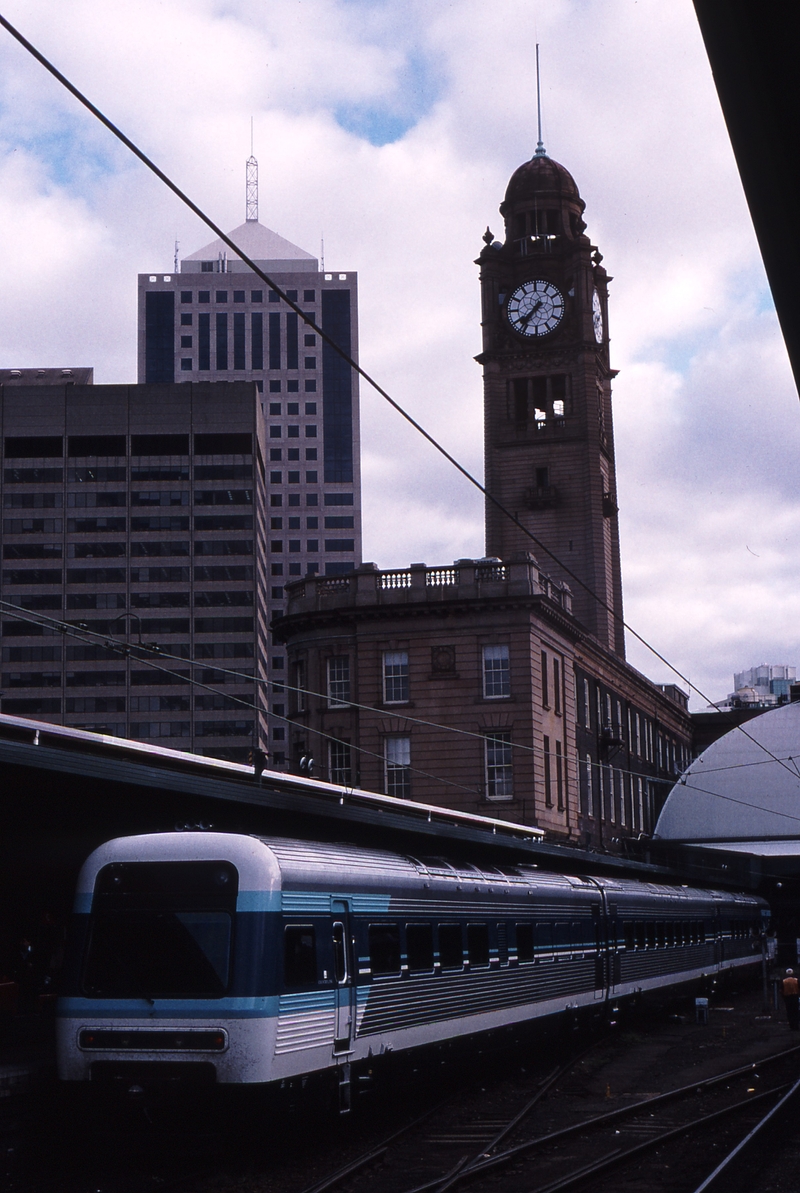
(535, 308)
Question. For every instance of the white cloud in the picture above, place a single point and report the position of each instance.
(705, 410)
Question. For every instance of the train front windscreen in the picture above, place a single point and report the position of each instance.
(161, 930)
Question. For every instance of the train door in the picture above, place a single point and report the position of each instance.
(601, 944)
(343, 977)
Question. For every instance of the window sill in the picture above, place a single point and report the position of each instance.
(495, 700)
(395, 704)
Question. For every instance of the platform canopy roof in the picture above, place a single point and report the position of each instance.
(745, 788)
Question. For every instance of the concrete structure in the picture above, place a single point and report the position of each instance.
(137, 512)
(473, 686)
(217, 321)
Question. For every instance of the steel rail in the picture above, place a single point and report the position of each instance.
(722, 1173)
(485, 1162)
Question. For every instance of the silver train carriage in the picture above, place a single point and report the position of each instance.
(253, 960)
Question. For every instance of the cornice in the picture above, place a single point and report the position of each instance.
(289, 626)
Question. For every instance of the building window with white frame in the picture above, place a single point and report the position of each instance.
(338, 681)
(397, 766)
(587, 762)
(498, 765)
(395, 677)
(587, 705)
(340, 764)
(496, 674)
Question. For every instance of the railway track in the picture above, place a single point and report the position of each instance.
(469, 1152)
(517, 1120)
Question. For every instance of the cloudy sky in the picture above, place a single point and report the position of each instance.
(391, 127)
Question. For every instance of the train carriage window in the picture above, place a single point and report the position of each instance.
(384, 949)
(544, 942)
(669, 933)
(661, 935)
(579, 942)
(641, 936)
(650, 929)
(419, 946)
(478, 944)
(299, 955)
(451, 948)
(630, 934)
(524, 942)
(563, 944)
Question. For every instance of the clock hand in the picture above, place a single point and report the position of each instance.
(531, 313)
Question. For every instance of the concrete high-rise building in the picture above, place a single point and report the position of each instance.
(217, 321)
(138, 513)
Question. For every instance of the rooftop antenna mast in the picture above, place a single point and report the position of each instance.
(252, 183)
(540, 149)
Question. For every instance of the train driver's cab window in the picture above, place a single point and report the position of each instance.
(478, 944)
(524, 942)
(544, 942)
(419, 947)
(384, 949)
(299, 955)
(451, 948)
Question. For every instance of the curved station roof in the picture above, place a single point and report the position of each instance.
(742, 795)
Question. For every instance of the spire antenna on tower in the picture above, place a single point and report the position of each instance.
(540, 149)
(252, 183)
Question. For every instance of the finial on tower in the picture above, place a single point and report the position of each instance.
(252, 183)
(540, 149)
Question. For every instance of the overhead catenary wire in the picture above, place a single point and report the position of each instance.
(127, 649)
(307, 319)
(81, 629)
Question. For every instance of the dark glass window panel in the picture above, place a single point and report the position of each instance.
(159, 336)
(238, 339)
(384, 949)
(292, 387)
(186, 296)
(419, 946)
(525, 942)
(478, 944)
(274, 336)
(299, 955)
(544, 942)
(203, 341)
(237, 443)
(221, 296)
(158, 953)
(338, 498)
(159, 445)
(238, 296)
(451, 948)
(256, 295)
(257, 340)
(222, 341)
(96, 445)
(31, 447)
(291, 341)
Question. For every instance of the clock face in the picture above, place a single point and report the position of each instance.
(597, 317)
(535, 308)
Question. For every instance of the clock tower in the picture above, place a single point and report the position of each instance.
(549, 442)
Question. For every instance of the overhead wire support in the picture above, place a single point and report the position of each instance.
(328, 339)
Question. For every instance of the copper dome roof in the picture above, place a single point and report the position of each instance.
(541, 175)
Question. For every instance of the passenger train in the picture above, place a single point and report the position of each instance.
(239, 960)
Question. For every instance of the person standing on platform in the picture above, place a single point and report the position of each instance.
(791, 996)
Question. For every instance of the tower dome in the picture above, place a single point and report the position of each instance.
(539, 177)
